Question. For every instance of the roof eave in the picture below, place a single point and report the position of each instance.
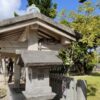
(32, 17)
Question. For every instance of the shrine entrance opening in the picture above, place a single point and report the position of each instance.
(4, 64)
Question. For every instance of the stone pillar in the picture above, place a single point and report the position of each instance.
(4, 69)
(70, 92)
(81, 90)
(17, 72)
(4, 65)
(32, 40)
(37, 84)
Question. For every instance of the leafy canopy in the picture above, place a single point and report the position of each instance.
(87, 24)
(46, 7)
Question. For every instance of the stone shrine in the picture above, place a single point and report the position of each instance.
(33, 40)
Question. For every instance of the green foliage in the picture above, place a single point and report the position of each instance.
(62, 55)
(65, 55)
(76, 54)
(93, 85)
(99, 60)
(81, 1)
(85, 22)
(15, 14)
(88, 25)
(46, 7)
(64, 22)
(91, 61)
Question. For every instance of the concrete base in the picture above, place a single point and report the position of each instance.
(48, 96)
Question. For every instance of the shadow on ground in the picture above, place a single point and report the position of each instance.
(91, 91)
(15, 94)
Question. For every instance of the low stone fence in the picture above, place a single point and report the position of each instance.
(67, 88)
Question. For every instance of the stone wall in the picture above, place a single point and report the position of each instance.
(49, 47)
(67, 88)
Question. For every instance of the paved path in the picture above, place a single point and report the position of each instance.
(12, 94)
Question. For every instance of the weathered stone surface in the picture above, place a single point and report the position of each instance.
(45, 96)
(32, 17)
(33, 41)
(37, 84)
(81, 90)
(40, 58)
(67, 88)
(17, 75)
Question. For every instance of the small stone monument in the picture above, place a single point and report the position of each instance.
(33, 9)
(38, 64)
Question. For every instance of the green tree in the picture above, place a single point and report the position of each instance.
(82, 1)
(46, 7)
(15, 14)
(66, 56)
(87, 23)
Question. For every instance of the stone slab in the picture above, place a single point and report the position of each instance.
(48, 96)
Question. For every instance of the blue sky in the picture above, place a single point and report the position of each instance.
(8, 7)
(69, 5)
(66, 4)
(62, 4)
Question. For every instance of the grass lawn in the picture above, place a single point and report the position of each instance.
(93, 85)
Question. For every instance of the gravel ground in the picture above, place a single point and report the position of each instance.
(3, 84)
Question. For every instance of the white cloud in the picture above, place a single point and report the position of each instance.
(30, 9)
(8, 7)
